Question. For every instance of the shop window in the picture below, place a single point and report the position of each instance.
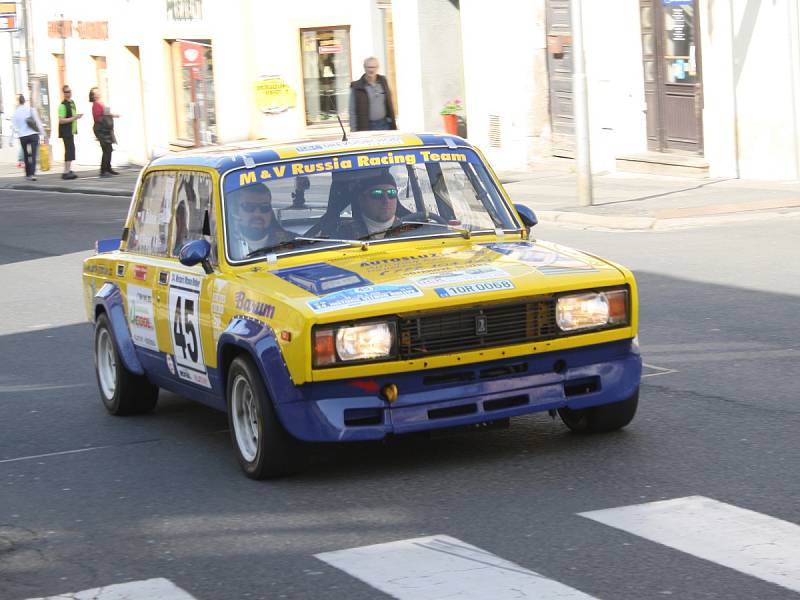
(326, 73)
(193, 79)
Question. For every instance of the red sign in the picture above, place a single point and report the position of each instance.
(140, 272)
(192, 56)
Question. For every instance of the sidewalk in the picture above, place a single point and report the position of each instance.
(628, 201)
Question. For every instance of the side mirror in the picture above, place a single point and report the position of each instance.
(527, 215)
(196, 251)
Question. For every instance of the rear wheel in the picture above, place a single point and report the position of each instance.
(600, 419)
(262, 445)
(122, 392)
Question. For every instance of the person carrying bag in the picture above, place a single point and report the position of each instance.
(28, 126)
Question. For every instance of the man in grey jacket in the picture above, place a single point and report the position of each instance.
(371, 105)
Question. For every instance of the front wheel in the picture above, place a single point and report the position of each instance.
(262, 445)
(601, 419)
(122, 392)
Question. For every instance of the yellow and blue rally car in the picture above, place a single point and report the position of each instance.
(348, 290)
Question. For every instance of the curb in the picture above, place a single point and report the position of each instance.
(70, 190)
(629, 223)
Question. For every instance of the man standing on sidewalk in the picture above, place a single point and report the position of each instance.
(67, 129)
(371, 101)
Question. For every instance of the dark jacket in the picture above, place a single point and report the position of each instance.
(359, 87)
(104, 129)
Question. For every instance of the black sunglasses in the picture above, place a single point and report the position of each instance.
(379, 193)
(250, 207)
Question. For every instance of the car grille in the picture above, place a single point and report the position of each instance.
(477, 327)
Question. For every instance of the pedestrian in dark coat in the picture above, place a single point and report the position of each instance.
(371, 105)
(103, 131)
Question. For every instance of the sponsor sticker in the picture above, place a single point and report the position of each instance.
(193, 376)
(479, 273)
(170, 364)
(140, 317)
(545, 260)
(322, 278)
(368, 294)
(474, 288)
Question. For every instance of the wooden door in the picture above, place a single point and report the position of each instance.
(559, 73)
(672, 75)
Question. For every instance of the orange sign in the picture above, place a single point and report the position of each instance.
(93, 30)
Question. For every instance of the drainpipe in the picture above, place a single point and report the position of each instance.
(580, 107)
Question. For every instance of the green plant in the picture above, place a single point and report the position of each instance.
(452, 107)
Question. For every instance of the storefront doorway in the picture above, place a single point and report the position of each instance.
(193, 69)
(672, 75)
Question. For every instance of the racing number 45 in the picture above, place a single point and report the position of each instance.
(184, 323)
(183, 328)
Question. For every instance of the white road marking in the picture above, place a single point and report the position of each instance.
(16, 389)
(31, 457)
(659, 370)
(46, 293)
(148, 589)
(444, 567)
(741, 539)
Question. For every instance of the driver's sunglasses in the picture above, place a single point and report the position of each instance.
(251, 207)
(379, 193)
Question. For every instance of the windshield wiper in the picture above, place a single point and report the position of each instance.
(307, 240)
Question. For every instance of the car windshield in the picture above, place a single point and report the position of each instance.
(359, 198)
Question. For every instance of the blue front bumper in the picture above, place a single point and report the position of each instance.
(353, 410)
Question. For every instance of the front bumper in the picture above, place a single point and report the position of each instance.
(353, 410)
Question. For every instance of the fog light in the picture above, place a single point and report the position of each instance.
(389, 392)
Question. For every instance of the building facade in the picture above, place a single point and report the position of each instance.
(713, 84)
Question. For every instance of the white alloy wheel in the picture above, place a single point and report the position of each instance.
(245, 416)
(106, 363)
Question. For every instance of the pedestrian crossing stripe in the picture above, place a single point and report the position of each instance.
(741, 539)
(148, 589)
(444, 567)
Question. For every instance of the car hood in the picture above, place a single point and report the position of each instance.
(402, 278)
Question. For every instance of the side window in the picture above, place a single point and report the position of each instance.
(194, 212)
(150, 225)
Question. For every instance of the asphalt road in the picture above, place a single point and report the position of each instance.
(90, 500)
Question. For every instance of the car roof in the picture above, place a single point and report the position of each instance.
(253, 152)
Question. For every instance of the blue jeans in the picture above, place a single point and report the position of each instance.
(30, 145)
(379, 125)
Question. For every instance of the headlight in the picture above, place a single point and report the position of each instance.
(592, 309)
(369, 341)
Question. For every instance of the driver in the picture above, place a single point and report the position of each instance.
(373, 209)
(254, 224)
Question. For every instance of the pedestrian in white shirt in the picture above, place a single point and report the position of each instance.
(28, 125)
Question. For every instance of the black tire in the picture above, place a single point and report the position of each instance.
(263, 447)
(601, 419)
(122, 392)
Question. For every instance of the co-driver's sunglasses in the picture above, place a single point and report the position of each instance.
(379, 193)
(250, 207)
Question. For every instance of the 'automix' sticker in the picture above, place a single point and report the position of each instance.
(474, 288)
(360, 296)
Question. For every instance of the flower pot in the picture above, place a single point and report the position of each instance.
(451, 124)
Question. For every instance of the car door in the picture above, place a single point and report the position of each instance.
(185, 312)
